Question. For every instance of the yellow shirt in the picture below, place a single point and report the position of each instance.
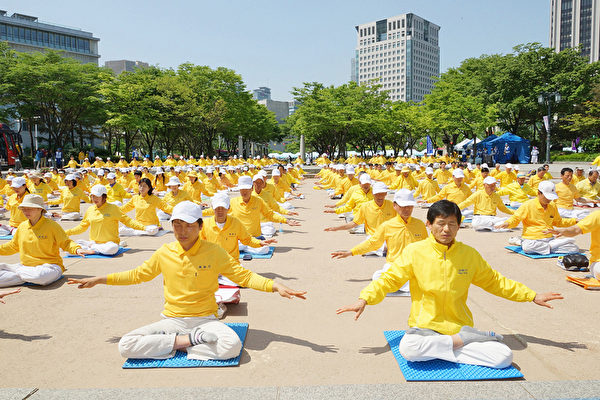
(506, 178)
(41, 190)
(536, 219)
(358, 197)
(72, 164)
(16, 215)
(453, 193)
(228, 236)
(196, 190)
(39, 244)
(116, 193)
(534, 182)
(440, 278)
(172, 200)
(396, 233)
(495, 172)
(271, 202)
(517, 192)
(345, 184)
(485, 204)
(587, 190)
(251, 213)
(145, 208)
(71, 199)
(566, 195)
(373, 216)
(591, 224)
(104, 223)
(190, 278)
(402, 182)
(443, 176)
(427, 188)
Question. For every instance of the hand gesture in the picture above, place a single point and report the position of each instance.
(357, 307)
(81, 252)
(503, 225)
(331, 229)
(329, 211)
(292, 222)
(15, 291)
(341, 254)
(285, 291)
(267, 242)
(542, 299)
(292, 213)
(86, 283)
(330, 205)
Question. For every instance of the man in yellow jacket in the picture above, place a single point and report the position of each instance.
(518, 192)
(440, 271)
(485, 203)
(190, 268)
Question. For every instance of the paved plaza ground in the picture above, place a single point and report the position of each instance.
(63, 341)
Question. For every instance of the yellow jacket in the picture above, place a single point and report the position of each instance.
(373, 216)
(145, 208)
(440, 277)
(344, 185)
(116, 192)
(41, 190)
(591, 224)
(506, 178)
(396, 233)
(16, 215)
(443, 176)
(104, 223)
(453, 193)
(182, 195)
(587, 190)
(190, 278)
(485, 204)
(251, 213)
(39, 244)
(71, 199)
(517, 192)
(566, 195)
(536, 219)
(427, 188)
(358, 197)
(228, 237)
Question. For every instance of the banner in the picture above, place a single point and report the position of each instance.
(547, 122)
(430, 150)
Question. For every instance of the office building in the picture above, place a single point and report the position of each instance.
(400, 53)
(281, 109)
(120, 66)
(25, 33)
(262, 93)
(576, 23)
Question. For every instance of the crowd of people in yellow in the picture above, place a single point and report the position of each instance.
(211, 228)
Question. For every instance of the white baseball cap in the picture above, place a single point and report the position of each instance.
(100, 172)
(379, 187)
(18, 182)
(98, 190)
(548, 190)
(365, 178)
(245, 182)
(220, 199)
(275, 172)
(428, 171)
(187, 211)
(404, 198)
(174, 181)
(111, 176)
(349, 170)
(484, 165)
(209, 170)
(257, 177)
(458, 173)
(70, 177)
(509, 165)
(490, 180)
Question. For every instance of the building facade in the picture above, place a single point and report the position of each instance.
(400, 53)
(576, 23)
(120, 66)
(27, 34)
(262, 93)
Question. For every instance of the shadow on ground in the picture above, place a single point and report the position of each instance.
(520, 342)
(258, 339)
(25, 338)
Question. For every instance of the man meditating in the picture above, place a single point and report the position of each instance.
(440, 271)
(190, 268)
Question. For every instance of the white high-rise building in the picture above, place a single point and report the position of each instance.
(401, 53)
(574, 23)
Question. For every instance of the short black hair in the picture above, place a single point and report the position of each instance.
(484, 169)
(149, 183)
(565, 170)
(443, 208)
(592, 172)
(138, 173)
(540, 169)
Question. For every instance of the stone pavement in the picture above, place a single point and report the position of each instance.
(63, 340)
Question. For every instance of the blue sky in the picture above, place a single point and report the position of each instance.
(281, 44)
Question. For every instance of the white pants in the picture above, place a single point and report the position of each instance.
(163, 216)
(430, 345)
(574, 213)
(18, 274)
(467, 213)
(72, 216)
(254, 250)
(157, 340)
(151, 230)
(487, 222)
(287, 195)
(386, 266)
(595, 269)
(108, 248)
(6, 230)
(267, 229)
(286, 206)
(549, 245)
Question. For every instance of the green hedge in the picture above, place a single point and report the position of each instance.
(584, 157)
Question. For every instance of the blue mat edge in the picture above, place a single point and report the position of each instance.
(535, 256)
(241, 328)
(260, 256)
(393, 342)
(118, 253)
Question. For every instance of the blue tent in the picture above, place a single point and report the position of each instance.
(481, 143)
(510, 148)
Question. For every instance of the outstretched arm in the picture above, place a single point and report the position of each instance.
(285, 291)
(357, 307)
(87, 283)
(542, 299)
(4, 294)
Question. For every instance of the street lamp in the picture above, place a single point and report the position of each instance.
(546, 98)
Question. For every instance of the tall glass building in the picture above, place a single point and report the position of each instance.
(576, 23)
(401, 53)
(25, 33)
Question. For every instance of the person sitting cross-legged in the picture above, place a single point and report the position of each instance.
(441, 270)
(190, 268)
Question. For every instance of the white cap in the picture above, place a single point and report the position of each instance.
(490, 180)
(18, 182)
(429, 171)
(516, 168)
(349, 170)
(379, 187)
(398, 167)
(100, 172)
(245, 182)
(508, 165)
(111, 176)
(220, 199)
(275, 172)
(404, 198)
(70, 177)
(365, 178)
(174, 181)
(159, 170)
(210, 170)
(47, 175)
(458, 173)
(257, 177)
(548, 190)
(187, 211)
(98, 190)
(484, 165)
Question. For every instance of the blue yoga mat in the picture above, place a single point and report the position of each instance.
(519, 250)
(180, 359)
(259, 256)
(440, 370)
(35, 284)
(6, 237)
(121, 251)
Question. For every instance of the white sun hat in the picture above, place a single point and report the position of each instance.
(245, 182)
(187, 211)
(404, 198)
(379, 187)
